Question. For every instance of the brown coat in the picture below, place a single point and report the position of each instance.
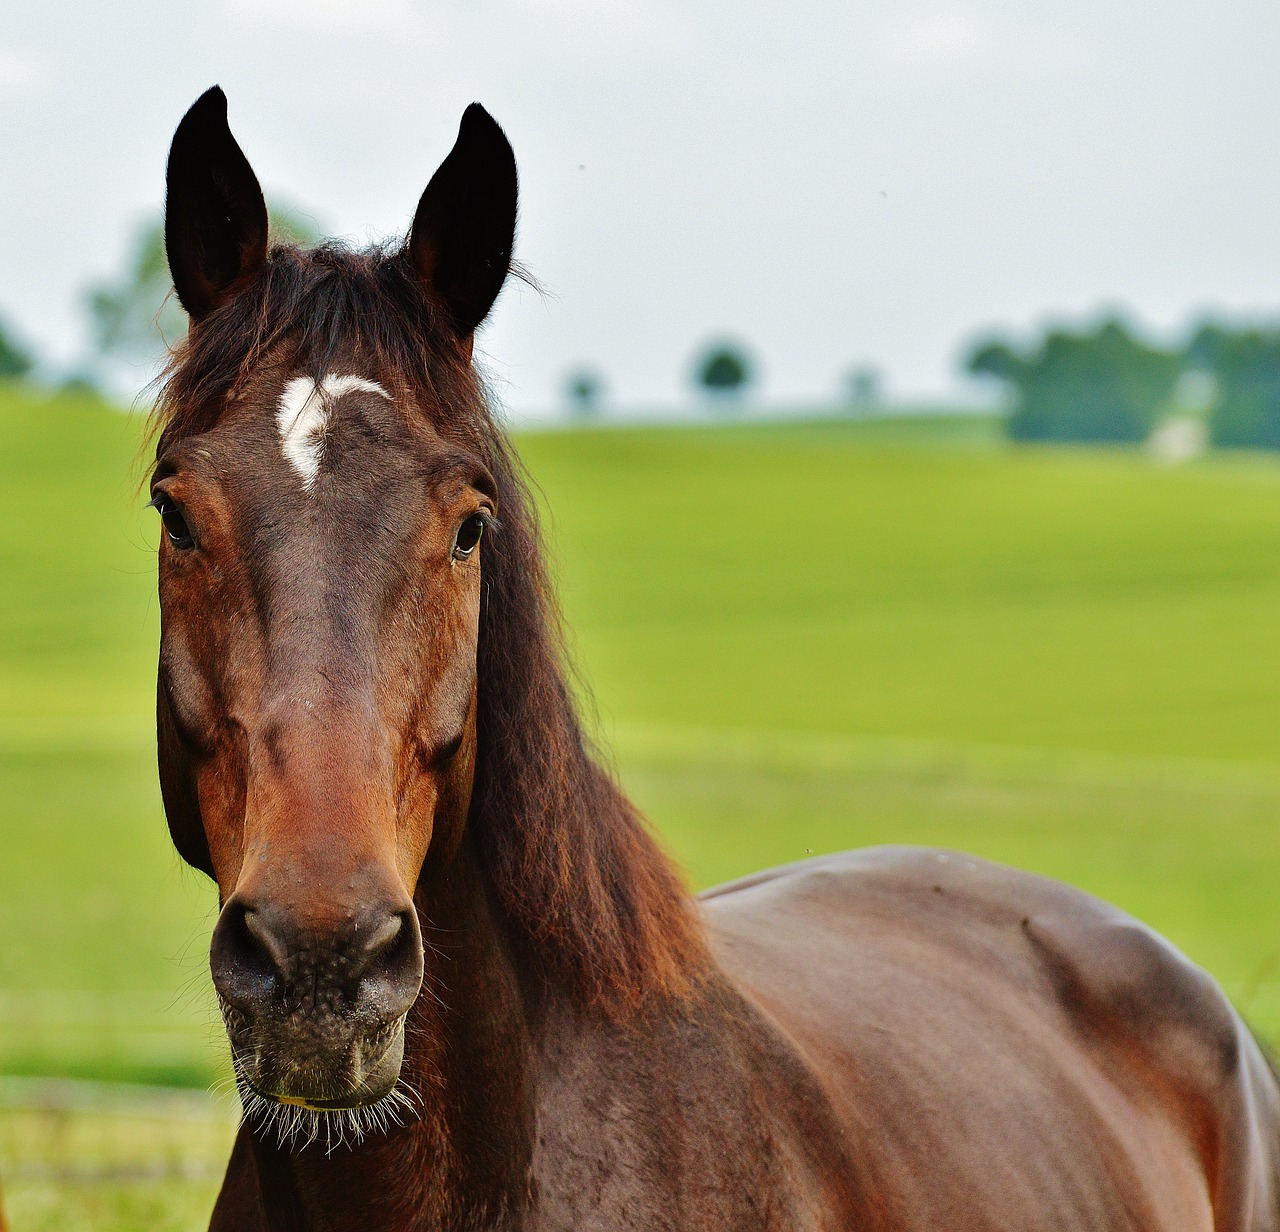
(464, 988)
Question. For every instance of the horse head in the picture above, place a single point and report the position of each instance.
(324, 520)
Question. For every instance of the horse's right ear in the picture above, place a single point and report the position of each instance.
(215, 220)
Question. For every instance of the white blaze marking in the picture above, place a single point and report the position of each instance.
(303, 415)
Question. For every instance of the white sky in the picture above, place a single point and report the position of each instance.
(830, 182)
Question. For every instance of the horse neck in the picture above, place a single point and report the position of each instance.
(465, 1159)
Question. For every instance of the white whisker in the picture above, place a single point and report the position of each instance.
(296, 1128)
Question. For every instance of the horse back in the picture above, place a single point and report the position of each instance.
(1006, 1051)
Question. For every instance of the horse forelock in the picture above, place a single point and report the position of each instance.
(592, 900)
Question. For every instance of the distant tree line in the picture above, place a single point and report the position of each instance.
(722, 373)
(1107, 384)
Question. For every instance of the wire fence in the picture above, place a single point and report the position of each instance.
(78, 1132)
(106, 1115)
(148, 1039)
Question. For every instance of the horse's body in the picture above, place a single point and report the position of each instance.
(1004, 1052)
(464, 988)
(896, 1040)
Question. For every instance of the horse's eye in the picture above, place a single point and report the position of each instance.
(175, 525)
(468, 536)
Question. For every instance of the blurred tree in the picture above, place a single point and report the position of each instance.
(586, 390)
(1206, 345)
(994, 359)
(136, 317)
(1245, 367)
(16, 361)
(724, 372)
(864, 388)
(82, 385)
(1104, 385)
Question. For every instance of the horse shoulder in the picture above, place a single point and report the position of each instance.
(1162, 1026)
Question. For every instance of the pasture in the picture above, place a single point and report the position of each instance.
(799, 638)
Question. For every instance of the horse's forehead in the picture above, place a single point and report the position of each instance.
(322, 473)
(305, 411)
(295, 436)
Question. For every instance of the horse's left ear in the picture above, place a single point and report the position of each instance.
(215, 220)
(465, 225)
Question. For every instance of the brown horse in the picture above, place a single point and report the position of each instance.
(464, 988)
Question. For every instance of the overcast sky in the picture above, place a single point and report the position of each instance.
(832, 183)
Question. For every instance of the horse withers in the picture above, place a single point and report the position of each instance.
(464, 989)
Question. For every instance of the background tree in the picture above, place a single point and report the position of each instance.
(16, 361)
(136, 318)
(724, 372)
(585, 389)
(994, 359)
(1103, 385)
(863, 388)
(1245, 366)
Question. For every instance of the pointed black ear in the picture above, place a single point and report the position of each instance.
(215, 220)
(465, 226)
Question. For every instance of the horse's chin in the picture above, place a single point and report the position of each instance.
(310, 1069)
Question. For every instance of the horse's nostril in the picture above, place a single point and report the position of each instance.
(376, 941)
(271, 947)
(248, 957)
(385, 968)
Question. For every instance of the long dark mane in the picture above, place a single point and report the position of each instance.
(588, 892)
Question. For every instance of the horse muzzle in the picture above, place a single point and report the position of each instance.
(325, 1066)
(316, 1015)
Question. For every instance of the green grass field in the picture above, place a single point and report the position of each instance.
(800, 638)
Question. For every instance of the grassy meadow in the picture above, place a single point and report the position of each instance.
(799, 638)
